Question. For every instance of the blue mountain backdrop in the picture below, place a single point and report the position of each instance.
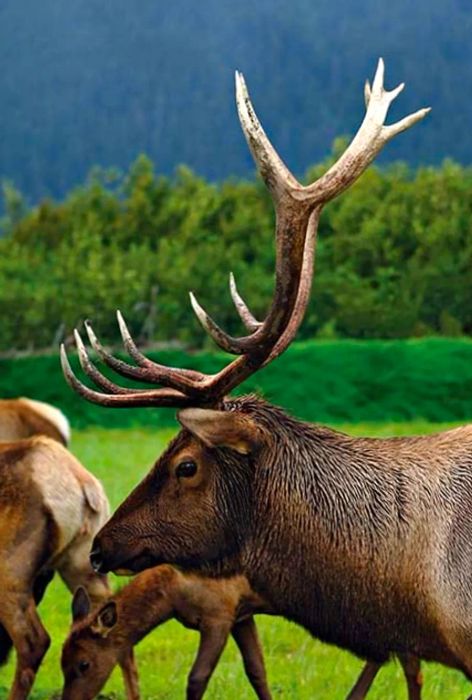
(88, 82)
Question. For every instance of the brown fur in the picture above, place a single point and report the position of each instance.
(367, 543)
(46, 525)
(216, 608)
(19, 420)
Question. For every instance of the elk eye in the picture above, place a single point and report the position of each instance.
(83, 666)
(186, 469)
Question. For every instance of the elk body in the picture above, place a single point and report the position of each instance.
(214, 607)
(366, 543)
(23, 418)
(50, 509)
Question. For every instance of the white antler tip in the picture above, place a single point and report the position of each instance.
(241, 89)
(377, 85)
(66, 368)
(90, 333)
(195, 305)
(396, 91)
(122, 323)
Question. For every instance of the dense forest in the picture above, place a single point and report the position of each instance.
(394, 257)
(89, 81)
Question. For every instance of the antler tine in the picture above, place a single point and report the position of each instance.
(225, 341)
(141, 398)
(110, 360)
(369, 140)
(222, 339)
(250, 321)
(153, 375)
(91, 371)
(273, 170)
(159, 370)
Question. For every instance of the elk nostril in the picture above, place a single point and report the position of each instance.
(96, 559)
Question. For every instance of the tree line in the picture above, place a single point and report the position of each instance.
(394, 256)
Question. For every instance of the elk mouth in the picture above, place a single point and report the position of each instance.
(135, 564)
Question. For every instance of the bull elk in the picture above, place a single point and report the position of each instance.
(50, 509)
(367, 543)
(214, 607)
(23, 418)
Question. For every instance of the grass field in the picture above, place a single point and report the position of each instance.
(299, 668)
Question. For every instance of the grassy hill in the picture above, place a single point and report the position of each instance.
(328, 382)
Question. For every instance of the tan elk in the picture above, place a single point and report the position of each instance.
(50, 509)
(367, 543)
(98, 640)
(23, 418)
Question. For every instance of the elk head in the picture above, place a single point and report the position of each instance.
(196, 505)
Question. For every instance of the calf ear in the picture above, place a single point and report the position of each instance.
(107, 617)
(80, 604)
(221, 428)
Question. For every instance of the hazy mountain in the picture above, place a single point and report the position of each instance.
(87, 82)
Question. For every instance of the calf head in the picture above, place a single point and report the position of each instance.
(90, 652)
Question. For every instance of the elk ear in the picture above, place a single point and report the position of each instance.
(80, 604)
(107, 618)
(221, 428)
(92, 496)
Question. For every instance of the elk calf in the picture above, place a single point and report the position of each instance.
(216, 608)
(23, 418)
(50, 509)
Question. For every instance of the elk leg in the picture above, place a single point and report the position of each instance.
(246, 637)
(212, 642)
(365, 680)
(30, 639)
(40, 584)
(130, 675)
(412, 670)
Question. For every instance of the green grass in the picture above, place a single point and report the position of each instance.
(299, 667)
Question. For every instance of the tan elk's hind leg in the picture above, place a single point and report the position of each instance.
(412, 669)
(212, 643)
(365, 680)
(246, 637)
(31, 641)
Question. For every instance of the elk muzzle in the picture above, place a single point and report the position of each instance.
(110, 554)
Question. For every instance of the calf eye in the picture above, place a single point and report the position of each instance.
(186, 468)
(83, 666)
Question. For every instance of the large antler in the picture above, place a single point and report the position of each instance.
(297, 214)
